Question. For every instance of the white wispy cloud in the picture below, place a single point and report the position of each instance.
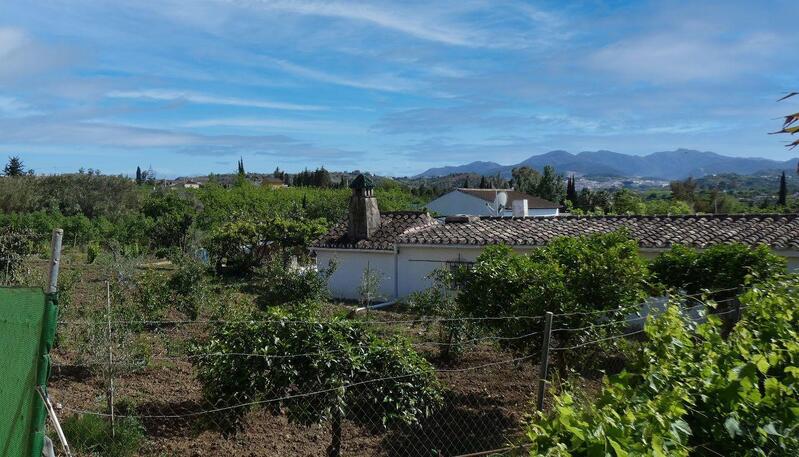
(21, 56)
(299, 125)
(384, 82)
(194, 97)
(386, 17)
(49, 132)
(679, 57)
(12, 107)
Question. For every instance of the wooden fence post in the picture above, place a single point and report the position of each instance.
(543, 367)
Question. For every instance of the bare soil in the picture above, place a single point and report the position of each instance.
(484, 408)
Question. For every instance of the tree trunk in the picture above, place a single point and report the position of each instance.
(335, 428)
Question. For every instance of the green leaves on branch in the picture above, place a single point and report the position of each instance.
(691, 392)
(314, 371)
(719, 267)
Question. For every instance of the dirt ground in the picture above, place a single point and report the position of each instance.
(483, 408)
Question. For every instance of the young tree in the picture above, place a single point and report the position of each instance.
(369, 288)
(314, 372)
(782, 200)
(14, 167)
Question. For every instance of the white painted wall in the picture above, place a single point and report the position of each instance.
(455, 202)
(542, 212)
(414, 264)
(349, 271)
(459, 203)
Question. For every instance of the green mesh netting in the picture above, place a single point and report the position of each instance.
(27, 327)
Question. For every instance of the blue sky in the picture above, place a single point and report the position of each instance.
(188, 87)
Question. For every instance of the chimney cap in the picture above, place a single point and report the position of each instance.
(362, 182)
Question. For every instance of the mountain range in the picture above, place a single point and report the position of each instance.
(677, 164)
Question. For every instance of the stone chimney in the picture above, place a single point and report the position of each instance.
(364, 216)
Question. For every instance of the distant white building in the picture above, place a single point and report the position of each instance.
(189, 184)
(404, 247)
(491, 202)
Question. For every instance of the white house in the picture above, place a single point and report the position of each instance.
(491, 202)
(403, 248)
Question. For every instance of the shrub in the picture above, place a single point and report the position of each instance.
(338, 358)
(92, 251)
(439, 302)
(15, 246)
(719, 267)
(239, 246)
(280, 284)
(92, 435)
(594, 273)
(691, 392)
(189, 285)
(152, 295)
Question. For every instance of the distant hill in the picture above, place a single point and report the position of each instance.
(677, 164)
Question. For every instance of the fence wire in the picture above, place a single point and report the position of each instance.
(146, 398)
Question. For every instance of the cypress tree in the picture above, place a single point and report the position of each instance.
(241, 167)
(571, 190)
(138, 175)
(466, 182)
(782, 200)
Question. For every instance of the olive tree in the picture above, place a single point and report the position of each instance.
(314, 371)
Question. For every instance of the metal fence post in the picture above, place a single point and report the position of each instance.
(543, 367)
(55, 260)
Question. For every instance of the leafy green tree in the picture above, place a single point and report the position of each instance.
(550, 186)
(14, 167)
(626, 201)
(525, 179)
(595, 273)
(684, 190)
(173, 216)
(314, 372)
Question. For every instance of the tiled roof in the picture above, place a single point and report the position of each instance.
(490, 194)
(780, 231)
(392, 226)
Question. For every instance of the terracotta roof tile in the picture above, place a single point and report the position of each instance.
(780, 231)
(393, 225)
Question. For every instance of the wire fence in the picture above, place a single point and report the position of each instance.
(136, 382)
